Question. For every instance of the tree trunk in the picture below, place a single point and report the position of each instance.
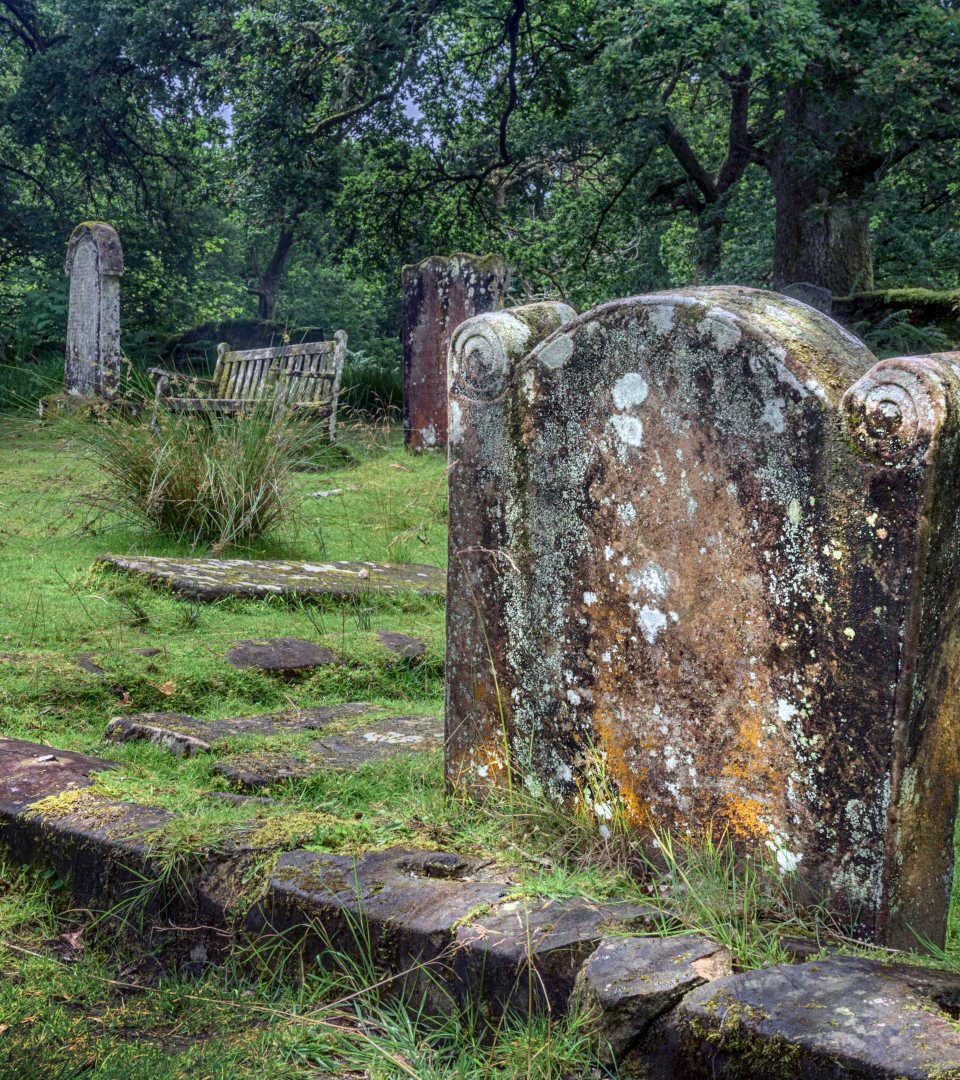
(822, 223)
(267, 288)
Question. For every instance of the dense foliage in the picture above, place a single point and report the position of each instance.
(283, 159)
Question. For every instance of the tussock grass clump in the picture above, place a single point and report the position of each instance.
(203, 480)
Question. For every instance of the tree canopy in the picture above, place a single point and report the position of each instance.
(285, 158)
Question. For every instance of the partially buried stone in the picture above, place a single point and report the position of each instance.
(630, 981)
(407, 648)
(261, 769)
(704, 542)
(285, 655)
(387, 738)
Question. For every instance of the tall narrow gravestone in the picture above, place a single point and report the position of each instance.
(94, 265)
(705, 553)
(438, 294)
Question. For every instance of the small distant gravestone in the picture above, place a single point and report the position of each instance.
(438, 294)
(94, 265)
(807, 293)
(705, 565)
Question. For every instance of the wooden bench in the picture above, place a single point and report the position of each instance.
(302, 379)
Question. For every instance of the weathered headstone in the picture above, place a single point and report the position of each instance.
(807, 293)
(94, 265)
(702, 557)
(438, 294)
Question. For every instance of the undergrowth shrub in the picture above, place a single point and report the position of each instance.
(205, 480)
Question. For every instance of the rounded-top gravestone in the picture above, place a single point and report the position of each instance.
(94, 265)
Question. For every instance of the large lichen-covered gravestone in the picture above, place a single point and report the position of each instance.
(704, 552)
(94, 265)
(438, 294)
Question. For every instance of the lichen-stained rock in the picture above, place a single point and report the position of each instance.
(700, 552)
(829, 1019)
(438, 294)
(216, 579)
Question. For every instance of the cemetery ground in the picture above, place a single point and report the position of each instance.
(120, 994)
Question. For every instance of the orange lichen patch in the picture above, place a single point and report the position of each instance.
(629, 780)
(750, 768)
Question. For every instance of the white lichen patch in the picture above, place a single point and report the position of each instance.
(651, 620)
(589, 598)
(630, 391)
(773, 415)
(629, 430)
(627, 513)
(721, 327)
(652, 578)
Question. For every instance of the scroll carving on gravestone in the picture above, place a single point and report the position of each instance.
(704, 551)
(438, 294)
(94, 265)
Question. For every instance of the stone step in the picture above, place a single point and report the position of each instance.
(216, 579)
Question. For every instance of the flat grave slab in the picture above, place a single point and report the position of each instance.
(184, 735)
(380, 740)
(31, 771)
(216, 579)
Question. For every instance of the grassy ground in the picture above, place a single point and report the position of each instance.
(71, 1005)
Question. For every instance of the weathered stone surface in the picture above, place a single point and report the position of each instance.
(398, 906)
(828, 1019)
(815, 295)
(438, 294)
(285, 655)
(696, 543)
(216, 579)
(380, 740)
(407, 648)
(94, 265)
(185, 735)
(525, 954)
(31, 771)
(87, 663)
(630, 981)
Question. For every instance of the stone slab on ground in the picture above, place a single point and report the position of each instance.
(184, 735)
(843, 1017)
(31, 771)
(525, 954)
(258, 770)
(283, 655)
(216, 579)
(380, 740)
(629, 982)
(405, 903)
(407, 648)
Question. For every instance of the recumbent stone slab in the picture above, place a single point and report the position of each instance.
(285, 655)
(830, 1019)
(438, 294)
(704, 541)
(184, 735)
(217, 579)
